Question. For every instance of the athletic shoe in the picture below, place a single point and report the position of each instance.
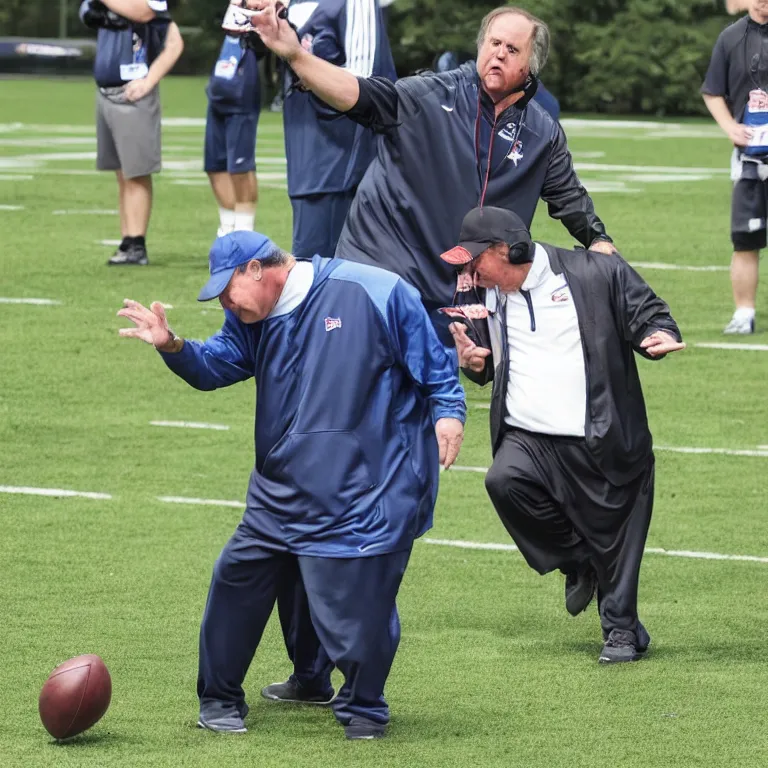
(360, 728)
(624, 645)
(225, 723)
(290, 692)
(135, 255)
(742, 327)
(580, 588)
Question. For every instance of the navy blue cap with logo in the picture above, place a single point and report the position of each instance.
(228, 253)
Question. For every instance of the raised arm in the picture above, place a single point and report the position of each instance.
(224, 359)
(140, 11)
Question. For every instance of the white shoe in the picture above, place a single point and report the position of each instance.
(740, 326)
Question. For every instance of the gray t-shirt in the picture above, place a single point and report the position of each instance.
(739, 64)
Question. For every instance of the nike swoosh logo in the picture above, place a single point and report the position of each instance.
(447, 108)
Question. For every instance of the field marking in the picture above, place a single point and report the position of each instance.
(108, 242)
(38, 302)
(649, 550)
(189, 425)
(682, 267)
(86, 212)
(15, 177)
(733, 346)
(717, 451)
(655, 169)
(204, 502)
(11, 207)
(58, 492)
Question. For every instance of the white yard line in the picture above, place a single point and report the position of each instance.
(681, 267)
(108, 242)
(738, 347)
(204, 502)
(41, 302)
(189, 425)
(11, 207)
(86, 212)
(650, 550)
(58, 492)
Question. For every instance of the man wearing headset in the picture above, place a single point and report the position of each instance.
(451, 141)
(735, 91)
(573, 467)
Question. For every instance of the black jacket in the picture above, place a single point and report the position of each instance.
(616, 310)
(432, 167)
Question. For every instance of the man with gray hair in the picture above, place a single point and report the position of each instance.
(451, 141)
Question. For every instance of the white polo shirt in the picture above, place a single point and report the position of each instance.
(547, 389)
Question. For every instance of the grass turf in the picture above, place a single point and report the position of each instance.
(491, 670)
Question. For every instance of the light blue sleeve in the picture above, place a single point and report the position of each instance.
(419, 349)
(225, 358)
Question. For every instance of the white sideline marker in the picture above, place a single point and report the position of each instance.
(86, 212)
(680, 267)
(58, 492)
(188, 425)
(11, 207)
(41, 302)
(738, 347)
(203, 502)
(649, 551)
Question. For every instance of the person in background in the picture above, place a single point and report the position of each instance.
(137, 45)
(234, 105)
(735, 91)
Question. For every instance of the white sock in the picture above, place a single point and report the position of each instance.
(227, 220)
(744, 314)
(244, 220)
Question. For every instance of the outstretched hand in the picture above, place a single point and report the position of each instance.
(151, 324)
(661, 342)
(450, 434)
(470, 355)
(603, 246)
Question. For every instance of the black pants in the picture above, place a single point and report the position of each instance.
(562, 512)
(352, 607)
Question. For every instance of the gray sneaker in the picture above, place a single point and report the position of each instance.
(623, 645)
(360, 728)
(135, 255)
(222, 718)
(290, 692)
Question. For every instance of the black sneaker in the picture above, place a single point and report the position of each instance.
(360, 728)
(134, 255)
(624, 645)
(290, 692)
(580, 588)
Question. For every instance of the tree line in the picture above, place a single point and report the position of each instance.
(608, 56)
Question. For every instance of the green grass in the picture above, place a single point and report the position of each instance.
(491, 670)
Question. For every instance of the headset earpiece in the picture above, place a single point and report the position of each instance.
(517, 253)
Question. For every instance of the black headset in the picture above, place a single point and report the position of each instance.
(517, 252)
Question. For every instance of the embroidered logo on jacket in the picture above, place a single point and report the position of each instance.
(560, 295)
(331, 323)
(516, 153)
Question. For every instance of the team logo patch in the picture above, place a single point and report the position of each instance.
(331, 323)
(516, 153)
(561, 294)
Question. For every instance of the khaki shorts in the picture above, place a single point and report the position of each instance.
(128, 133)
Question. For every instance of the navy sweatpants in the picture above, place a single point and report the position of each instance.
(318, 221)
(352, 607)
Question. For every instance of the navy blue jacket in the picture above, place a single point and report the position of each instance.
(349, 385)
(234, 85)
(325, 152)
(440, 137)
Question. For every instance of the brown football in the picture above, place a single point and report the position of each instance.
(75, 696)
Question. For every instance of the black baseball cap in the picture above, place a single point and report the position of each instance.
(484, 227)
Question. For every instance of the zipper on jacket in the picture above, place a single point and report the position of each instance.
(527, 296)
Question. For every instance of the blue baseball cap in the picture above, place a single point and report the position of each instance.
(228, 253)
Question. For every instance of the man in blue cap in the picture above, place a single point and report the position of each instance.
(358, 406)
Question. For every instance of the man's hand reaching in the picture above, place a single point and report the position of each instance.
(151, 325)
(470, 355)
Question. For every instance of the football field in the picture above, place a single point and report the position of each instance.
(119, 485)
